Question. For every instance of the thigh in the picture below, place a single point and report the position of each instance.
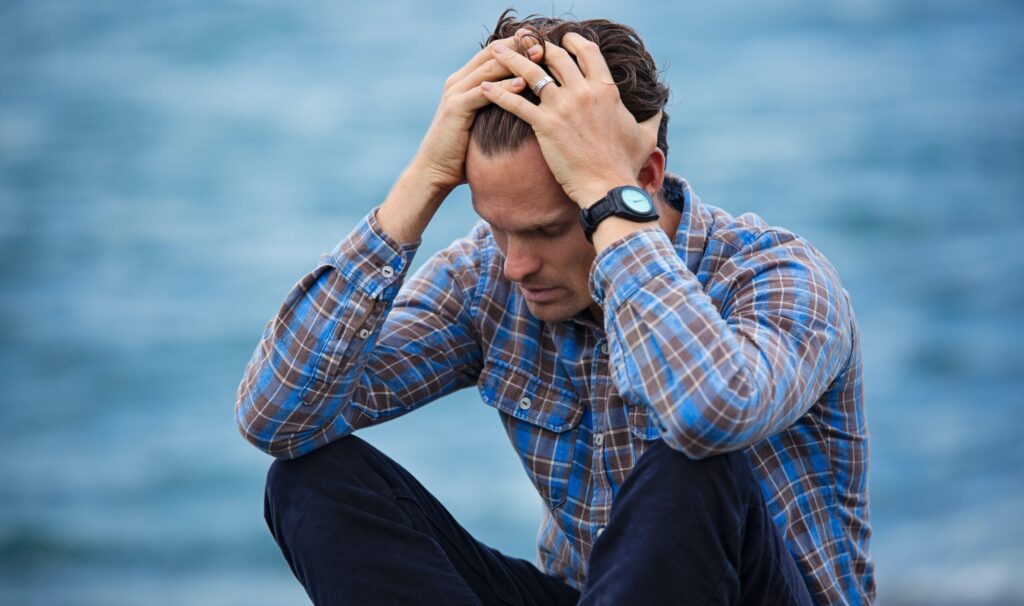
(496, 578)
(692, 531)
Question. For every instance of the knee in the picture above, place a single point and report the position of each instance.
(326, 469)
(728, 475)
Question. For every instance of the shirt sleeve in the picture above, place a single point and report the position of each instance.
(715, 379)
(352, 347)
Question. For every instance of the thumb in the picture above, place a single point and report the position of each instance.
(650, 129)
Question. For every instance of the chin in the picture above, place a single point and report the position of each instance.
(553, 312)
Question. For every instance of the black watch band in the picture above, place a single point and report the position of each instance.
(628, 201)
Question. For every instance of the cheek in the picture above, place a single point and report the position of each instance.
(575, 260)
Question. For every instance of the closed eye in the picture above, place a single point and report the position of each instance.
(548, 231)
(554, 230)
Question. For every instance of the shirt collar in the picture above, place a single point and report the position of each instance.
(695, 222)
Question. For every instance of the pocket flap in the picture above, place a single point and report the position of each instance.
(526, 397)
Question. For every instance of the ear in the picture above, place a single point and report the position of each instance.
(652, 173)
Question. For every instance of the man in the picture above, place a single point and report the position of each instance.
(683, 386)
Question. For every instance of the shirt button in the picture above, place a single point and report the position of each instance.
(387, 271)
(599, 439)
(525, 403)
(600, 530)
(604, 348)
(364, 333)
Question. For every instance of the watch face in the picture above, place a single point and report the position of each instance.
(637, 200)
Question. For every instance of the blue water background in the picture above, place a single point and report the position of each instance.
(169, 170)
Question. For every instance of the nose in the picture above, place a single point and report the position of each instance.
(520, 261)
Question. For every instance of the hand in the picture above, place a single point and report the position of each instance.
(442, 154)
(589, 139)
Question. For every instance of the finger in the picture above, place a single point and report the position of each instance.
(512, 102)
(561, 64)
(486, 53)
(650, 128)
(475, 98)
(589, 56)
(491, 70)
(530, 44)
(521, 66)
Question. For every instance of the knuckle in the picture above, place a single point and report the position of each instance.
(558, 50)
(447, 110)
(608, 90)
(494, 67)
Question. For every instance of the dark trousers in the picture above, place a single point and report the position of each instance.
(357, 528)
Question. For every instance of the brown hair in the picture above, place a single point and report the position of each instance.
(495, 130)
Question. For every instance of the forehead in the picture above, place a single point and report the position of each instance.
(516, 191)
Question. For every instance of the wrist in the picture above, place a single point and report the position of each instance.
(593, 191)
(417, 177)
(409, 206)
(614, 229)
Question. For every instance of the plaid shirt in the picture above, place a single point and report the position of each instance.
(732, 335)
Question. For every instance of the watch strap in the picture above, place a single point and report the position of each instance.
(611, 204)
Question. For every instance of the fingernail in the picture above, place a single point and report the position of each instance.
(517, 81)
(486, 85)
(500, 49)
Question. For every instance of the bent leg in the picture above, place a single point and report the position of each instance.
(684, 531)
(358, 528)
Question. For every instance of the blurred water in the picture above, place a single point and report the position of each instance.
(168, 171)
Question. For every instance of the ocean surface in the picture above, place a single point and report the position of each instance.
(169, 170)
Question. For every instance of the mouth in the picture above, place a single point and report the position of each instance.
(539, 295)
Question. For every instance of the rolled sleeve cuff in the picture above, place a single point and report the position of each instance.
(629, 263)
(371, 260)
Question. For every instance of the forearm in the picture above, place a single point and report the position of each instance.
(720, 379)
(410, 205)
(315, 345)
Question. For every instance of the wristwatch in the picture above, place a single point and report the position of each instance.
(628, 202)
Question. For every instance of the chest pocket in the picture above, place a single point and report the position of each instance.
(541, 421)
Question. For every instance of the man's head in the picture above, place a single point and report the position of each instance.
(534, 223)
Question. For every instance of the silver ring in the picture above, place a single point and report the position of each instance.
(541, 84)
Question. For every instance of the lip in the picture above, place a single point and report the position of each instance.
(540, 295)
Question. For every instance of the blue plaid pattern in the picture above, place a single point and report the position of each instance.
(731, 335)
